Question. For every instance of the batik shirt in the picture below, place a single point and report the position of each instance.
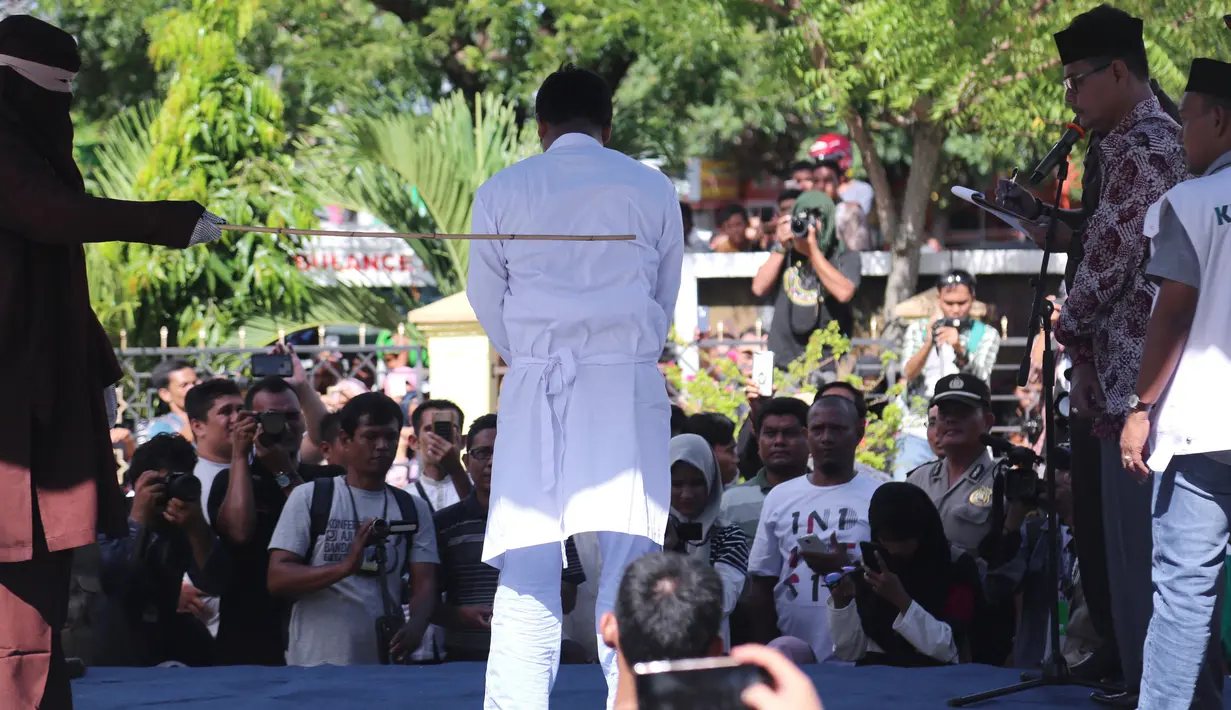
(1104, 319)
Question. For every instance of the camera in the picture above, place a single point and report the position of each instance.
(1022, 484)
(956, 323)
(273, 427)
(183, 486)
(382, 529)
(800, 223)
(679, 534)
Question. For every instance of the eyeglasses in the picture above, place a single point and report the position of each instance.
(1073, 83)
(483, 453)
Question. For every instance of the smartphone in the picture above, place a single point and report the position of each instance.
(813, 543)
(443, 426)
(868, 550)
(710, 683)
(763, 371)
(271, 365)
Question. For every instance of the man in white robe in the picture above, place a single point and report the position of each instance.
(584, 415)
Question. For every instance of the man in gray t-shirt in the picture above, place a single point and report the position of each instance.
(335, 585)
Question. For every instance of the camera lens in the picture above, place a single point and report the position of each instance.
(799, 225)
(380, 528)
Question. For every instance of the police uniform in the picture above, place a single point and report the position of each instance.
(966, 506)
(966, 511)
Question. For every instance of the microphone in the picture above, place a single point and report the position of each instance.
(1002, 446)
(1058, 152)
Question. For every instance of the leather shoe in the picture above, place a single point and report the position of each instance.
(1127, 699)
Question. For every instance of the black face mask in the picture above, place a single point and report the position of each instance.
(44, 119)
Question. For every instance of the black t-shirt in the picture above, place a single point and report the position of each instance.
(801, 306)
(252, 624)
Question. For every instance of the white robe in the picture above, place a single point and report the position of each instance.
(584, 418)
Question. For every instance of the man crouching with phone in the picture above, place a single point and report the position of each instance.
(669, 608)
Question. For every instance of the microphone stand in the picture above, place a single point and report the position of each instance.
(1055, 669)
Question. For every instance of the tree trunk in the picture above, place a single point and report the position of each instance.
(928, 139)
(886, 203)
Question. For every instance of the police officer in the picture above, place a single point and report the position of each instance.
(961, 485)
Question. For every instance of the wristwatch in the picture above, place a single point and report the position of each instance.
(1136, 405)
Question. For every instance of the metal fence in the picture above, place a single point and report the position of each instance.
(138, 399)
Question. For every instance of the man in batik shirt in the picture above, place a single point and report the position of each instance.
(1103, 323)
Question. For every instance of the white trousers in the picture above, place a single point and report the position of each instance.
(527, 619)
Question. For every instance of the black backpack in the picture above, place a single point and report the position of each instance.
(322, 505)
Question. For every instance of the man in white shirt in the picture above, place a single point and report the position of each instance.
(211, 408)
(1185, 370)
(442, 479)
(831, 502)
(584, 416)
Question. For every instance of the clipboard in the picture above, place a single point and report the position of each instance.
(1009, 217)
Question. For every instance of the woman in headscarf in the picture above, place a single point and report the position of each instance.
(696, 527)
(916, 609)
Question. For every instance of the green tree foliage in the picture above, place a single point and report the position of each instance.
(721, 389)
(940, 69)
(216, 139)
(419, 173)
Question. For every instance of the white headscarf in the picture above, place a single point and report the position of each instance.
(697, 452)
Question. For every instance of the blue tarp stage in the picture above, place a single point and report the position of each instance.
(460, 686)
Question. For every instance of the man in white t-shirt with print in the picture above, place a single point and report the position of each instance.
(831, 502)
(335, 580)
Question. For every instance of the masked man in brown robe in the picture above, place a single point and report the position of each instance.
(57, 473)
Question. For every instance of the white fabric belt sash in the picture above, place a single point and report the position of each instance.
(50, 78)
(558, 372)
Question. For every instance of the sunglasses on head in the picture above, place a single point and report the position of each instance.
(957, 278)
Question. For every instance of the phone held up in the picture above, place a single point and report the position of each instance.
(711, 683)
(442, 426)
(868, 550)
(269, 365)
(763, 372)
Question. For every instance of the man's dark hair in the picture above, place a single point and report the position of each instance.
(679, 420)
(416, 417)
(331, 426)
(957, 277)
(160, 378)
(165, 452)
(716, 429)
(788, 194)
(669, 607)
(1099, 20)
(577, 97)
(200, 399)
(835, 400)
(832, 164)
(375, 406)
(272, 385)
(783, 406)
(861, 402)
(730, 210)
(483, 423)
(801, 165)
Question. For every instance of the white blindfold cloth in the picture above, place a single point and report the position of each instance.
(48, 77)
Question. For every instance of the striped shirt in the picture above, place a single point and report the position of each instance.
(741, 504)
(465, 580)
(729, 545)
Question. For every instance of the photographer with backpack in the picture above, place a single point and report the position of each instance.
(343, 545)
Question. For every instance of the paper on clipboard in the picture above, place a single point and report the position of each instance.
(1014, 220)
